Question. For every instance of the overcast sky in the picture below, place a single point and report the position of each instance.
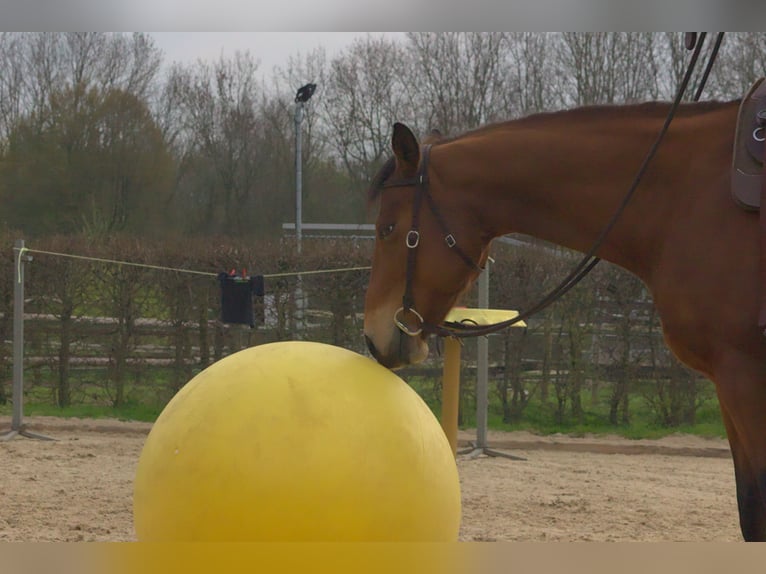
(486, 15)
(270, 48)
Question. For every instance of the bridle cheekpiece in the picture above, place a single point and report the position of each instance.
(412, 240)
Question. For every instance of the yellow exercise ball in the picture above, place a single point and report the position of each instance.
(296, 441)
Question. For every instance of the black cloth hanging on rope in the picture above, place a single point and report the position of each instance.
(237, 293)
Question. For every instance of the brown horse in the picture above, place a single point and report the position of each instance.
(560, 177)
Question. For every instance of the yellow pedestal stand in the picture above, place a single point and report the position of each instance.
(451, 374)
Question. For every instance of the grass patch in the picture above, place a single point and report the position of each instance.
(132, 412)
(149, 390)
(540, 417)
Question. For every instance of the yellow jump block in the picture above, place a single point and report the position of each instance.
(451, 369)
(482, 316)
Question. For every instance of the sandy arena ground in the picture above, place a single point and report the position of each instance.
(680, 488)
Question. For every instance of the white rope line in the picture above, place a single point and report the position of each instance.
(318, 271)
(176, 269)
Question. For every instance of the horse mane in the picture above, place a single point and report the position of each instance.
(376, 185)
(652, 110)
(657, 110)
(643, 109)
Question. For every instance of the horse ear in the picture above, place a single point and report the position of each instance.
(406, 148)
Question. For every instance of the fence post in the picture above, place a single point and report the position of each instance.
(482, 382)
(17, 418)
(482, 366)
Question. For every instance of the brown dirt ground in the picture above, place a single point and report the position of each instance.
(680, 488)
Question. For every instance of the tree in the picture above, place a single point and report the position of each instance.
(726, 74)
(529, 66)
(519, 278)
(330, 188)
(222, 146)
(742, 60)
(98, 163)
(11, 85)
(36, 65)
(457, 78)
(6, 315)
(363, 98)
(605, 67)
(573, 317)
(621, 335)
(80, 145)
(62, 287)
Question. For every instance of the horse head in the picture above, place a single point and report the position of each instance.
(428, 250)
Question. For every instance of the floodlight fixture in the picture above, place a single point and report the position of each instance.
(305, 92)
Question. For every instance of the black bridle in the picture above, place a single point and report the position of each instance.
(412, 240)
(587, 263)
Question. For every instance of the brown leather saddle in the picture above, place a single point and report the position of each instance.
(748, 171)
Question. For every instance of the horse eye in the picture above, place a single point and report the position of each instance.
(386, 230)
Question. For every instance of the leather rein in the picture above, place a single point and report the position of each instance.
(420, 182)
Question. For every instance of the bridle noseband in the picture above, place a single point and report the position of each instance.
(412, 240)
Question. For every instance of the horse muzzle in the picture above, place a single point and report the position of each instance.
(401, 350)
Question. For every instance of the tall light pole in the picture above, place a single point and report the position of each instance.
(301, 97)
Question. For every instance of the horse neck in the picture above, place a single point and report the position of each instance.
(561, 179)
